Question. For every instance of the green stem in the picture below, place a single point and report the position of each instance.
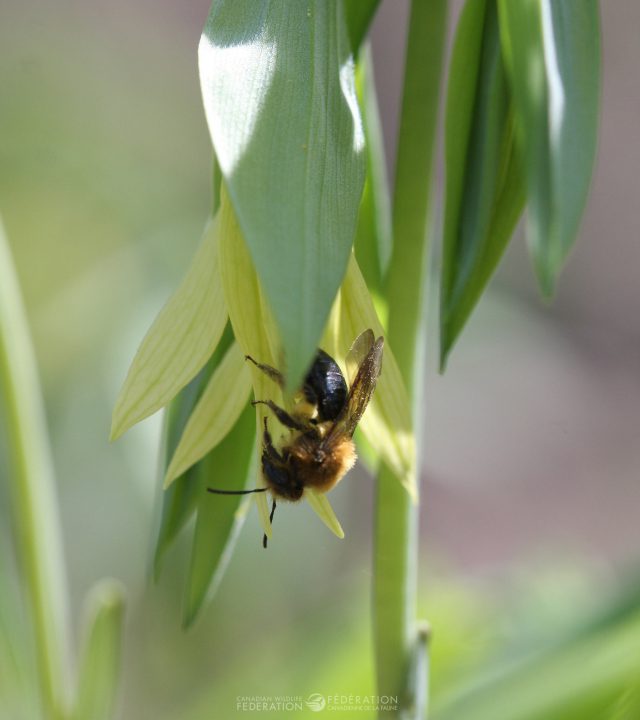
(32, 486)
(396, 532)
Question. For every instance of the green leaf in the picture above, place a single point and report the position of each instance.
(179, 500)
(31, 484)
(485, 186)
(359, 14)
(99, 666)
(222, 401)
(373, 241)
(552, 51)
(181, 339)
(229, 466)
(278, 89)
(578, 680)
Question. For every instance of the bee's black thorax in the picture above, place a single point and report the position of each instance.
(325, 387)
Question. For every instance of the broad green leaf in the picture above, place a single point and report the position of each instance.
(373, 234)
(181, 339)
(230, 466)
(321, 506)
(179, 500)
(359, 14)
(484, 182)
(215, 414)
(552, 52)
(278, 88)
(100, 663)
(387, 421)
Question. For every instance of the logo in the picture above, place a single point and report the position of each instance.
(316, 702)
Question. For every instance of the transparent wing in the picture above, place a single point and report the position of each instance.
(357, 353)
(360, 392)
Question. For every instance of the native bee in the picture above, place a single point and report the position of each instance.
(320, 449)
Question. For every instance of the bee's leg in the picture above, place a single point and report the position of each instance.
(268, 448)
(274, 374)
(282, 415)
(264, 537)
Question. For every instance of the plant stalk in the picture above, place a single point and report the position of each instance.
(396, 531)
(32, 486)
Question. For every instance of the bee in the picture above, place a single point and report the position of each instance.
(320, 449)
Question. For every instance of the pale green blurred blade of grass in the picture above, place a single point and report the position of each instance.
(359, 14)
(99, 667)
(580, 679)
(31, 485)
(229, 466)
(181, 339)
(485, 188)
(179, 500)
(373, 241)
(552, 52)
(278, 89)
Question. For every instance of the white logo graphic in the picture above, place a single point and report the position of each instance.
(316, 702)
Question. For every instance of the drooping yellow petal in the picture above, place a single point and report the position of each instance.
(180, 341)
(322, 507)
(253, 325)
(387, 422)
(215, 414)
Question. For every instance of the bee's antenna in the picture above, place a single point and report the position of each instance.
(236, 492)
(264, 537)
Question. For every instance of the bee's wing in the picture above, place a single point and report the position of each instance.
(360, 392)
(357, 353)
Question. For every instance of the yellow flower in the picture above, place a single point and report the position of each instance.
(222, 283)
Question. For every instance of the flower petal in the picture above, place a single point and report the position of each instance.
(177, 345)
(252, 322)
(387, 422)
(322, 507)
(215, 414)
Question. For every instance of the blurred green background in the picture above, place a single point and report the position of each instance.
(531, 488)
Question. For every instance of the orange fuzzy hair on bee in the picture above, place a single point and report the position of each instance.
(322, 469)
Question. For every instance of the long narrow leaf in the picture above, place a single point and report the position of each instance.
(228, 466)
(180, 498)
(552, 51)
(176, 346)
(485, 186)
(373, 240)
(278, 89)
(31, 484)
(359, 14)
